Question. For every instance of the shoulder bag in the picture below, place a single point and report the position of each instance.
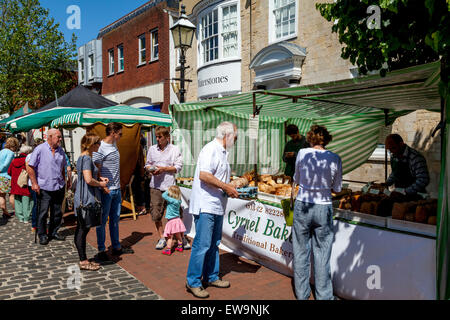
(22, 180)
(91, 214)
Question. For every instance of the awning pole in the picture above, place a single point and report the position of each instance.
(255, 143)
(386, 120)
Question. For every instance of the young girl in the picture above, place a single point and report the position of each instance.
(175, 227)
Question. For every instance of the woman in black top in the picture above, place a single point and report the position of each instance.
(90, 189)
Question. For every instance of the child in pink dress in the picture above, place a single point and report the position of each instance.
(175, 227)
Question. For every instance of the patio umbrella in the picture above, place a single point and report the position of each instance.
(76, 100)
(22, 111)
(38, 119)
(121, 113)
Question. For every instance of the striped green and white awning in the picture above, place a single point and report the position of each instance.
(120, 113)
(352, 110)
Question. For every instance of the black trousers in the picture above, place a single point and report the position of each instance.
(49, 200)
(80, 239)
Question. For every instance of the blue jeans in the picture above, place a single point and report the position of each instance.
(204, 261)
(313, 224)
(111, 204)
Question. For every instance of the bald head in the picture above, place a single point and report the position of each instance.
(54, 138)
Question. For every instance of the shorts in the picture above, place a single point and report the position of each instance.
(157, 204)
(5, 185)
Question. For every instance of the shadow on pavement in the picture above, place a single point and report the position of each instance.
(134, 238)
(232, 263)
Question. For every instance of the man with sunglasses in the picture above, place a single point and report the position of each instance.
(107, 158)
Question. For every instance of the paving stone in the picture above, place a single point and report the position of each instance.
(3, 292)
(67, 295)
(24, 293)
(31, 271)
(28, 288)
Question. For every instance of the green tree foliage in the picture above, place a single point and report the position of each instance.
(35, 60)
(411, 32)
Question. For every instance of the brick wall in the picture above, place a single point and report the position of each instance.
(135, 76)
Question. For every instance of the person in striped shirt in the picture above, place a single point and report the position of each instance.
(107, 159)
(409, 167)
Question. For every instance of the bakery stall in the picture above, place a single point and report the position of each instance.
(385, 241)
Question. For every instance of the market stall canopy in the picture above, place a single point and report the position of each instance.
(353, 117)
(24, 110)
(121, 113)
(406, 89)
(38, 120)
(78, 99)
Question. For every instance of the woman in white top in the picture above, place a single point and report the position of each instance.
(317, 172)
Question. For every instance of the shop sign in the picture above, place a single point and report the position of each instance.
(219, 79)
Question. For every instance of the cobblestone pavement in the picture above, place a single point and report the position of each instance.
(31, 271)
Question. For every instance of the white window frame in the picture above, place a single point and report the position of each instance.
(119, 58)
(111, 61)
(272, 28)
(152, 45)
(140, 50)
(91, 66)
(81, 68)
(219, 7)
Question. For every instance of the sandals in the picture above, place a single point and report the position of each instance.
(167, 251)
(90, 266)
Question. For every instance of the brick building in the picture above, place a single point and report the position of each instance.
(138, 56)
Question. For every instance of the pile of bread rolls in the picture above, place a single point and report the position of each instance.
(397, 205)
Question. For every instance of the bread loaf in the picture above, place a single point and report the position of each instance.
(409, 216)
(356, 202)
(385, 207)
(432, 220)
(373, 207)
(421, 214)
(272, 183)
(399, 210)
(366, 207)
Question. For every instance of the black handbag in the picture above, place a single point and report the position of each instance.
(90, 215)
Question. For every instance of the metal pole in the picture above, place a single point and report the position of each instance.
(255, 143)
(182, 74)
(386, 120)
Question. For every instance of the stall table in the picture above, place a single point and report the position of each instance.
(367, 261)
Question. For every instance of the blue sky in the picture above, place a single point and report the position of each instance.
(94, 15)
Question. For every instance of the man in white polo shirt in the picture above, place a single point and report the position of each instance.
(209, 196)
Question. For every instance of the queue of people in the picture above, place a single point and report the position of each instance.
(316, 170)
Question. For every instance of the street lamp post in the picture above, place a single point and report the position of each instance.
(183, 34)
